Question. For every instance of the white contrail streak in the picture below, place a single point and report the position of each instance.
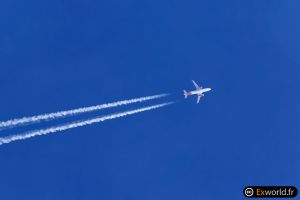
(50, 116)
(12, 138)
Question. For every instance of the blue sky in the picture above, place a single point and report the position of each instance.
(57, 55)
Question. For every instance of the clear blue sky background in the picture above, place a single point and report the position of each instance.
(57, 55)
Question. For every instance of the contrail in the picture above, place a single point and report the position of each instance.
(12, 138)
(50, 116)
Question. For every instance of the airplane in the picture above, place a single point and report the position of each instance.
(199, 91)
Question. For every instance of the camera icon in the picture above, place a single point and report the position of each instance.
(249, 192)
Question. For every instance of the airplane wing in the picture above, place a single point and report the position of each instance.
(196, 85)
(198, 98)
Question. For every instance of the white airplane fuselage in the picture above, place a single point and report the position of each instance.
(198, 92)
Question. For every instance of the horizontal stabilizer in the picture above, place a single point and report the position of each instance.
(185, 94)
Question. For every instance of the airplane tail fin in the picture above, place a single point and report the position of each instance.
(185, 94)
